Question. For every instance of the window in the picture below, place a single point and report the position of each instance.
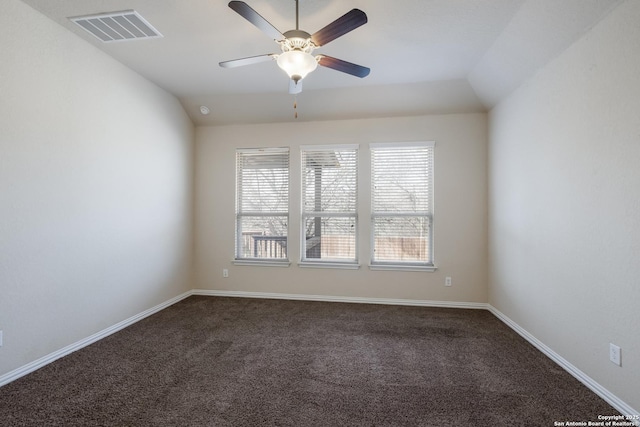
(329, 204)
(262, 204)
(402, 205)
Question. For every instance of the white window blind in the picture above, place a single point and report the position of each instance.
(402, 203)
(329, 203)
(262, 203)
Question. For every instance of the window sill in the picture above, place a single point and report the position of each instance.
(261, 263)
(403, 267)
(338, 265)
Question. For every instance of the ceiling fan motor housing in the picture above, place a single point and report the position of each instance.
(297, 40)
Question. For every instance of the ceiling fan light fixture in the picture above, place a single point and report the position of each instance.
(297, 64)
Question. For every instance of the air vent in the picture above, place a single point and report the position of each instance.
(117, 26)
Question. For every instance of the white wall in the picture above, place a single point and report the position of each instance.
(460, 209)
(564, 203)
(96, 172)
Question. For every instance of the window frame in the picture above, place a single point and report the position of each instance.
(239, 213)
(429, 265)
(304, 215)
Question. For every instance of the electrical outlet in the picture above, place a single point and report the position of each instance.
(225, 272)
(447, 281)
(615, 354)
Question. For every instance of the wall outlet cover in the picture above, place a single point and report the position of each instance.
(614, 354)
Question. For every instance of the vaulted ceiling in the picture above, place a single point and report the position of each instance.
(426, 56)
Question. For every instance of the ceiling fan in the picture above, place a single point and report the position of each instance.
(297, 46)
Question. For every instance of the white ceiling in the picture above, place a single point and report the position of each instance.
(426, 56)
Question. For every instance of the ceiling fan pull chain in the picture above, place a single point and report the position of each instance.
(295, 106)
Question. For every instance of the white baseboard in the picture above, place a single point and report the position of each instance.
(329, 298)
(605, 394)
(37, 364)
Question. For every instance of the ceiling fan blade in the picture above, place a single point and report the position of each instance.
(256, 19)
(295, 87)
(248, 61)
(344, 66)
(341, 26)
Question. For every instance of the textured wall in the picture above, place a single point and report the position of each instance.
(95, 189)
(564, 207)
(460, 208)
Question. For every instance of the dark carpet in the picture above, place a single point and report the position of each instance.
(209, 361)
